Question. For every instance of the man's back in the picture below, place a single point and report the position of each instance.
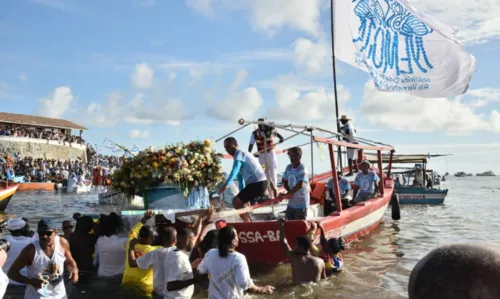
(306, 268)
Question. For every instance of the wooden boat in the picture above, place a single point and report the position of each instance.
(46, 186)
(411, 194)
(259, 240)
(6, 195)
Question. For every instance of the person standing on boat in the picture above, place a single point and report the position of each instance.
(252, 175)
(296, 182)
(45, 260)
(349, 136)
(366, 183)
(344, 188)
(264, 138)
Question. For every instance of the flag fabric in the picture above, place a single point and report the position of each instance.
(402, 49)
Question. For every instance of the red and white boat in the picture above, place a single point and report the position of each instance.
(259, 240)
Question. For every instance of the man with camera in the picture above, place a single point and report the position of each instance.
(264, 137)
(45, 260)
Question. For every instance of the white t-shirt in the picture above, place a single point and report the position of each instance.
(155, 259)
(4, 282)
(110, 252)
(229, 277)
(178, 267)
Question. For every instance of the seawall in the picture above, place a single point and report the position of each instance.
(42, 148)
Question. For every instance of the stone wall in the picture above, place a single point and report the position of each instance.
(39, 148)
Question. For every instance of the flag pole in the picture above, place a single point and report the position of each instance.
(335, 84)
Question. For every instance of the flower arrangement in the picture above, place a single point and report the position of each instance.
(185, 165)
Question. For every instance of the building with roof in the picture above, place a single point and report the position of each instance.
(38, 147)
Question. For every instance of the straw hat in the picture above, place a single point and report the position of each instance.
(344, 117)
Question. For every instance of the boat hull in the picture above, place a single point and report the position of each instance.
(6, 195)
(47, 186)
(259, 241)
(421, 196)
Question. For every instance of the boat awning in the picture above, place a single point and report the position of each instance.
(403, 158)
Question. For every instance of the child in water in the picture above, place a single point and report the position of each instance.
(329, 251)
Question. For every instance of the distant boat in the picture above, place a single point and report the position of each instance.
(486, 173)
(460, 174)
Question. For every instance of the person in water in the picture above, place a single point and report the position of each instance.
(305, 267)
(228, 269)
(45, 260)
(252, 175)
(329, 251)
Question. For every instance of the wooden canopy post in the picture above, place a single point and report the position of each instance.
(335, 179)
(381, 172)
(390, 163)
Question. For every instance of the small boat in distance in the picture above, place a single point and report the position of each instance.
(462, 174)
(411, 182)
(45, 186)
(486, 173)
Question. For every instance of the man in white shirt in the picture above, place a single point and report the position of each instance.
(156, 258)
(178, 269)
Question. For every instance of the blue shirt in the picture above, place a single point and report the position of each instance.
(343, 185)
(300, 199)
(251, 170)
(366, 183)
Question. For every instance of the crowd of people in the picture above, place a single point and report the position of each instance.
(39, 133)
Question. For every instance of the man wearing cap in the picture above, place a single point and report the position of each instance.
(264, 137)
(366, 183)
(349, 136)
(45, 260)
(18, 241)
(344, 188)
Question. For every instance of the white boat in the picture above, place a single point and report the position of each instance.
(120, 199)
(78, 189)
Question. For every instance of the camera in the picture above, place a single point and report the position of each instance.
(4, 245)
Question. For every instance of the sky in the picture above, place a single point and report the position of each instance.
(153, 72)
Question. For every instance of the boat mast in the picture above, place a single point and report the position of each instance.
(335, 85)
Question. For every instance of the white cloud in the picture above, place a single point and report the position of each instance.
(236, 105)
(135, 120)
(404, 112)
(173, 123)
(312, 106)
(241, 76)
(477, 21)
(143, 76)
(312, 58)
(22, 77)
(203, 7)
(291, 80)
(138, 134)
(57, 103)
(170, 109)
(270, 16)
(171, 77)
(107, 114)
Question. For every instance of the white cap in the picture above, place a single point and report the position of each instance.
(16, 224)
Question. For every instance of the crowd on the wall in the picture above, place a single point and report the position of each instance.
(40, 133)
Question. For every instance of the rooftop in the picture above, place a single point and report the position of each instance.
(31, 120)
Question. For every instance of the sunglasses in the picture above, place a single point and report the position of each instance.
(68, 227)
(46, 233)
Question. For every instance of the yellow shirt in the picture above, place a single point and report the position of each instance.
(135, 278)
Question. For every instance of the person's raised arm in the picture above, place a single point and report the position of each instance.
(24, 259)
(70, 262)
(251, 143)
(284, 243)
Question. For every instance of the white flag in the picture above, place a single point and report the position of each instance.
(402, 49)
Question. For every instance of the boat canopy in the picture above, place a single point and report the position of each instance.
(406, 159)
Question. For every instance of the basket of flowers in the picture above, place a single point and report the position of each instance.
(189, 166)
